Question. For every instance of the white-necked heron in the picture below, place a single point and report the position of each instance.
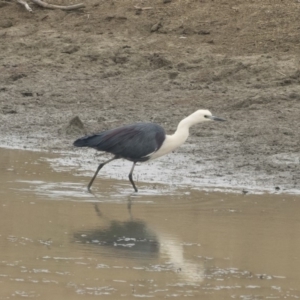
(140, 142)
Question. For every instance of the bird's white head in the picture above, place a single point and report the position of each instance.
(203, 115)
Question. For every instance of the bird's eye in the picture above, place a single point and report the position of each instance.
(205, 116)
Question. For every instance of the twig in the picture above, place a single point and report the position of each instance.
(25, 4)
(52, 6)
(142, 8)
(281, 73)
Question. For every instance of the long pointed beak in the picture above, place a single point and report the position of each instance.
(214, 118)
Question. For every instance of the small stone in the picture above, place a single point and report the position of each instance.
(203, 32)
(75, 126)
(27, 94)
(156, 27)
(138, 11)
(173, 75)
(17, 76)
(7, 110)
(70, 49)
(6, 24)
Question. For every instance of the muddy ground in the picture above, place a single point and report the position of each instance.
(112, 64)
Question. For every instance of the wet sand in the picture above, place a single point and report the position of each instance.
(58, 241)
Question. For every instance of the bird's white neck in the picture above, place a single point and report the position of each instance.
(178, 138)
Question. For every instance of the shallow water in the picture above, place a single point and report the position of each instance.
(59, 242)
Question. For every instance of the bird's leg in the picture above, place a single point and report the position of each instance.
(129, 206)
(98, 212)
(97, 171)
(130, 177)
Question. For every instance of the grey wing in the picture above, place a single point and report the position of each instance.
(134, 142)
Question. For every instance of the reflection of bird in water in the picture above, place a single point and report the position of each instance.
(141, 141)
(135, 239)
(172, 249)
(132, 238)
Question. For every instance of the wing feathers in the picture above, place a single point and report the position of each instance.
(135, 142)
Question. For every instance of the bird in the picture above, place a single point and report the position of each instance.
(140, 142)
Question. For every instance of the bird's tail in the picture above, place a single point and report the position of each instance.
(88, 141)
